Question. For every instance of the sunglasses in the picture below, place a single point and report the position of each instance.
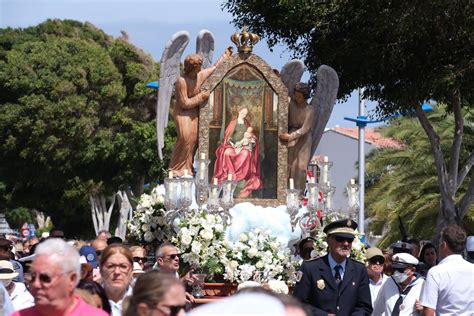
(378, 261)
(402, 270)
(342, 239)
(173, 256)
(43, 278)
(139, 259)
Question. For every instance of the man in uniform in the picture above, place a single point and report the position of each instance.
(335, 284)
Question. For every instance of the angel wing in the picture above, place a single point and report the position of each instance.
(323, 101)
(205, 47)
(291, 74)
(169, 73)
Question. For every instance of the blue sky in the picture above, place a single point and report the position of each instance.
(150, 23)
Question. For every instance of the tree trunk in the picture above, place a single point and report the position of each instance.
(100, 213)
(126, 212)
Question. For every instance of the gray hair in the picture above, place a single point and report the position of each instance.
(106, 232)
(61, 252)
(159, 250)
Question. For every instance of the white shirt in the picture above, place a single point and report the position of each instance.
(20, 297)
(388, 296)
(375, 287)
(449, 287)
(116, 307)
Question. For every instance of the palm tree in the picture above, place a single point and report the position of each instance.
(403, 182)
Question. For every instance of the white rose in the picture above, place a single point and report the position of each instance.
(146, 201)
(145, 228)
(219, 228)
(259, 265)
(206, 234)
(210, 218)
(233, 264)
(186, 239)
(148, 236)
(253, 252)
(196, 247)
(243, 237)
(274, 245)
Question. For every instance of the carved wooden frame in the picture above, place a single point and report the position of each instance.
(283, 101)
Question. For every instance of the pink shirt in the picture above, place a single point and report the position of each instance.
(81, 308)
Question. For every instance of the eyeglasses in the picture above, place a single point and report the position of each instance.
(123, 267)
(44, 278)
(173, 256)
(139, 259)
(342, 239)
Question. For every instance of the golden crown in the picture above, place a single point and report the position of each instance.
(244, 41)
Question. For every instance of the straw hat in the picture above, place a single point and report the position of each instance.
(6, 270)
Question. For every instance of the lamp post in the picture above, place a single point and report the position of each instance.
(361, 122)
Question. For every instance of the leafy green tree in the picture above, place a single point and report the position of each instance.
(404, 53)
(75, 117)
(403, 182)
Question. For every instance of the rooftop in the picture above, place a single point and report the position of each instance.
(372, 136)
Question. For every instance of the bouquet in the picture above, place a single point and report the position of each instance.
(201, 239)
(258, 256)
(148, 222)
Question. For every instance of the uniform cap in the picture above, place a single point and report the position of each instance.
(344, 228)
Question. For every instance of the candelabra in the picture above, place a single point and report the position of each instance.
(353, 199)
(171, 202)
(293, 204)
(227, 200)
(202, 180)
(309, 221)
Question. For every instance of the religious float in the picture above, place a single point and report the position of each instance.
(239, 194)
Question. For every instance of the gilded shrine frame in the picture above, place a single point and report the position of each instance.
(246, 81)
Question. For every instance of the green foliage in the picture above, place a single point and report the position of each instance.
(403, 52)
(404, 181)
(76, 118)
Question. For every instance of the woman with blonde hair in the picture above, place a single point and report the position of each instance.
(158, 294)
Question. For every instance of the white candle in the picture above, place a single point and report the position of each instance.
(311, 180)
(214, 190)
(203, 156)
(353, 181)
(170, 174)
(292, 184)
(325, 170)
(229, 185)
(185, 173)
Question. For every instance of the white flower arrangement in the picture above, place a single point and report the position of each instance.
(148, 223)
(258, 256)
(202, 242)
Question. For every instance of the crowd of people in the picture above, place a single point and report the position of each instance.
(106, 276)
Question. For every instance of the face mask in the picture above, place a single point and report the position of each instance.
(399, 277)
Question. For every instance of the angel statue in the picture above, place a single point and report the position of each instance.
(306, 122)
(189, 97)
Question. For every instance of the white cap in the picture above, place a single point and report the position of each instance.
(470, 243)
(401, 260)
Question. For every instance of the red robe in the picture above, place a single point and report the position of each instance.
(243, 166)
